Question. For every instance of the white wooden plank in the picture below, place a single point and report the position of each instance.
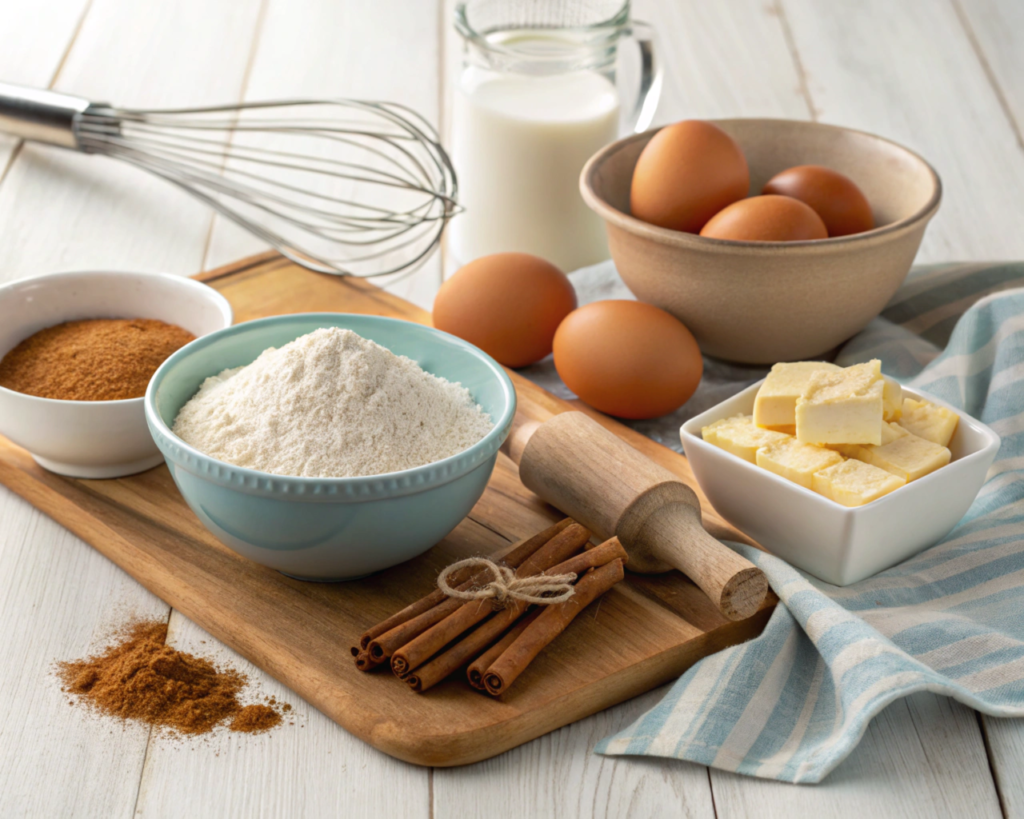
(559, 775)
(723, 60)
(1006, 754)
(996, 28)
(921, 757)
(380, 51)
(908, 71)
(58, 601)
(451, 52)
(63, 210)
(311, 768)
(34, 37)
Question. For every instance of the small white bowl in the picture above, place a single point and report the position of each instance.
(94, 439)
(834, 543)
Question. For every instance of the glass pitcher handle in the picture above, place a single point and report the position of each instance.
(651, 77)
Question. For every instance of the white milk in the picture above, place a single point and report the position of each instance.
(519, 144)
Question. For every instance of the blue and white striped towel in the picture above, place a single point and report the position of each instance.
(791, 704)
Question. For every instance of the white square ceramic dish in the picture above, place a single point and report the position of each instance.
(832, 542)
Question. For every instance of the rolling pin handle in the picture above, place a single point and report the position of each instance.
(674, 534)
(519, 436)
(591, 475)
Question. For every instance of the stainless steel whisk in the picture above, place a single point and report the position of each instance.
(339, 186)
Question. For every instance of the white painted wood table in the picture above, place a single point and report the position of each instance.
(943, 76)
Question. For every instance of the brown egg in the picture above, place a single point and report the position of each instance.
(628, 358)
(835, 198)
(686, 174)
(507, 304)
(766, 219)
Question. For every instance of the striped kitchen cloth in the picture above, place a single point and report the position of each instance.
(792, 703)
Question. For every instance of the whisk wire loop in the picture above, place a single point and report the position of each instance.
(353, 187)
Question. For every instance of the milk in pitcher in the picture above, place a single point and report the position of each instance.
(519, 143)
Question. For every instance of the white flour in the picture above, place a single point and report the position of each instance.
(330, 404)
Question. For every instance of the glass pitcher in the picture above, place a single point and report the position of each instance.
(538, 94)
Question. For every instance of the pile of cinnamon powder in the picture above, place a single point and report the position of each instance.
(92, 359)
(142, 678)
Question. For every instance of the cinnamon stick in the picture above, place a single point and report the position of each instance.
(477, 640)
(520, 552)
(551, 622)
(465, 649)
(414, 653)
(382, 647)
(475, 672)
(593, 558)
(484, 635)
(459, 653)
(403, 616)
(561, 547)
(383, 644)
(526, 548)
(365, 661)
(421, 648)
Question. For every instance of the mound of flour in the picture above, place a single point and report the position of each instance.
(330, 404)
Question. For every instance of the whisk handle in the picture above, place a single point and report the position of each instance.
(40, 115)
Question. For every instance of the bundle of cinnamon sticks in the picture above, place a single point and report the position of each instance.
(437, 635)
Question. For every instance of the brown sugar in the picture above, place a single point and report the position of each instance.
(142, 678)
(91, 360)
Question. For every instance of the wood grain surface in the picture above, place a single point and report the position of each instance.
(300, 632)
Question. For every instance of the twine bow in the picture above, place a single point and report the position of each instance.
(542, 589)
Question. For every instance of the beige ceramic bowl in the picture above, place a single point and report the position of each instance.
(762, 302)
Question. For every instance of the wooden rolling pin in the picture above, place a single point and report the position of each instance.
(590, 474)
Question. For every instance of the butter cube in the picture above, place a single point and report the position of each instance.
(854, 483)
(796, 461)
(775, 405)
(892, 399)
(740, 436)
(907, 456)
(935, 424)
(844, 407)
(710, 432)
(890, 432)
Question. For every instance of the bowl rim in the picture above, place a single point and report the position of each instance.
(358, 487)
(680, 238)
(217, 298)
(690, 433)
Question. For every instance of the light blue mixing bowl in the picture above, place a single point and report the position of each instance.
(329, 528)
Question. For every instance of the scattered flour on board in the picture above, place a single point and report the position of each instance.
(331, 404)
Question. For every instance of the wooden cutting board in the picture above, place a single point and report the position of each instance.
(643, 633)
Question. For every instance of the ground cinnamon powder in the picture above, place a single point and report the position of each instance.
(91, 360)
(253, 719)
(142, 678)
